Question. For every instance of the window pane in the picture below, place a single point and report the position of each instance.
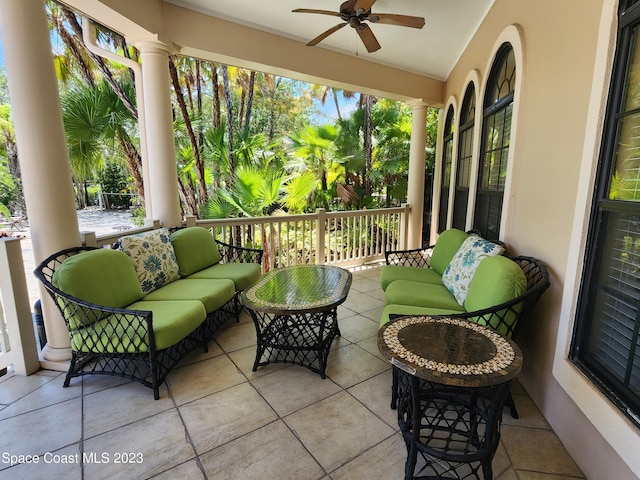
(464, 159)
(613, 331)
(625, 184)
(633, 81)
(505, 79)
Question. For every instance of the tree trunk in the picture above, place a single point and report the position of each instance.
(134, 162)
(335, 100)
(188, 197)
(72, 45)
(366, 144)
(252, 82)
(202, 190)
(216, 97)
(227, 97)
(199, 101)
(100, 63)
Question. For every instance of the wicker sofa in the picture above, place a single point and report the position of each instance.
(498, 291)
(136, 310)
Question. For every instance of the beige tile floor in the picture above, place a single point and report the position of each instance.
(216, 419)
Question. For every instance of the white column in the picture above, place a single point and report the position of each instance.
(42, 147)
(415, 189)
(162, 169)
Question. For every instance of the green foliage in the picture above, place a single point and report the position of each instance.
(624, 188)
(4, 87)
(114, 181)
(139, 216)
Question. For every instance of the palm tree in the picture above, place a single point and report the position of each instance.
(99, 127)
(315, 145)
(186, 116)
(84, 124)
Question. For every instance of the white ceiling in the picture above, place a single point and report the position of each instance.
(432, 51)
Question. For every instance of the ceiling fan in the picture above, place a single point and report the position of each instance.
(354, 13)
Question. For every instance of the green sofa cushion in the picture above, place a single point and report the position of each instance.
(105, 277)
(153, 257)
(405, 292)
(212, 293)
(497, 280)
(412, 310)
(243, 275)
(391, 273)
(445, 248)
(195, 249)
(172, 321)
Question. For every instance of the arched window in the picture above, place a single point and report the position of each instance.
(496, 134)
(447, 160)
(465, 152)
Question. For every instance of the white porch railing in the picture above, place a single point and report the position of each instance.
(340, 238)
(17, 338)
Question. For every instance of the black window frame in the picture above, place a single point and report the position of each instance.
(447, 164)
(489, 201)
(464, 157)
(606, 215)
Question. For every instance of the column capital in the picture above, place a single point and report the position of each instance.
(153, 44)
(418, 103)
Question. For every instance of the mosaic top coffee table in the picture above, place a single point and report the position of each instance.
(294, 310)
(452, 379)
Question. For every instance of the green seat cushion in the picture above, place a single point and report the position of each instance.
(391, 273)
(153, 258)
(104, 277)
(411, 310)
(243, 275)
(211, 293)
(172, 321)
(405, 292)
(195, 249)
(445, 248)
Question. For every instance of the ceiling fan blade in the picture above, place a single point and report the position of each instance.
(400, 20)
(365, 5)
(324, 35)
(311, 10)
(368, 38)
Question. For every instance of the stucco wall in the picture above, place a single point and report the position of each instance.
(559, 57)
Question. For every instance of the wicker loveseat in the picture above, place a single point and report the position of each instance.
(500, 292)
(136, 310)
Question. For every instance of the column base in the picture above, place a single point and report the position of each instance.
(55, 358)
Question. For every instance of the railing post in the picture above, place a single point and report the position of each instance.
(404, 226)
(272, 249)
(21, 349)
(320, 236)
(190, 221)
(89, 239)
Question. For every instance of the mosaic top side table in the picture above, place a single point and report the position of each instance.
(453, 378)
(294, 310)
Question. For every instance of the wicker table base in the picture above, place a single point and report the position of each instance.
(449, 431)
(294, 310)
(302, 339)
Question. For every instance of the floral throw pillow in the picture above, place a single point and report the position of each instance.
(459, 273)
(153, 257)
